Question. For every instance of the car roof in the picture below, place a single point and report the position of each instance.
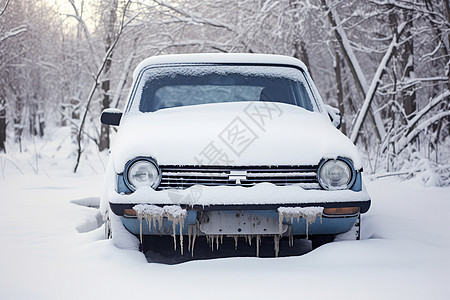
(225, 58)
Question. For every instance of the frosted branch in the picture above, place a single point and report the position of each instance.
(13, 32)
(4, 7)
(374, 85)
(409, 137)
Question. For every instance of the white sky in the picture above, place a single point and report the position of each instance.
(64, 7)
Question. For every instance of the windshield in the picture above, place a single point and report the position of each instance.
(182, 85)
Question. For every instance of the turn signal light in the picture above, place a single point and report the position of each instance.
(129, 212)
(341, 211)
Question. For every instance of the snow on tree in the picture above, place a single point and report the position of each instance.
(384, 63)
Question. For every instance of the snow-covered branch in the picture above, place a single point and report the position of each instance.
(355, 69)
(410, 82)
(413, 6)
(77, 16)
(194, 18)
(13, 32)
(198, 19)
(374, 85)
(96, 83)
(2, 11)
(433, 103)
(405, 140)
(404, 135)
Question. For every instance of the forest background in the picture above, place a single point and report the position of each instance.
(384, 63)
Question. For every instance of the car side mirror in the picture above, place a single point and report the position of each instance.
(111, 116)
(335, 115)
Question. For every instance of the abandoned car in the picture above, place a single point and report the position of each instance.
(229, 145)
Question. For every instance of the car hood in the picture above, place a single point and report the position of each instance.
(238, 134)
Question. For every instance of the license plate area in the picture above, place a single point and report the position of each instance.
(239, 222)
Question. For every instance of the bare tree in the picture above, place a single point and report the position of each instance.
(110, 22)
(367, 92)
(105, 62)
(385, 63)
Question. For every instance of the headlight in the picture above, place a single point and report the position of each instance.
(336, 174)
(142, 172)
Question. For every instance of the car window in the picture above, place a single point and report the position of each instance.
(173, 86)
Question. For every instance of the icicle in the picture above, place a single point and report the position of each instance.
(154, 214)
(235, 241)
(192, 234)
(177, 221)
(193, 240)
(258, 243)
(140, 228)
(310, 215)
(194, 237)
(291, 237)
(211, 242)
(181, 236)
(189, 229)
(276, 244)
(248, 239)
(210, 239)
(159, 219)
(174, 237)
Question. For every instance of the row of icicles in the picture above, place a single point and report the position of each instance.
(154, 215)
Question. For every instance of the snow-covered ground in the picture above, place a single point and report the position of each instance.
(52, 246)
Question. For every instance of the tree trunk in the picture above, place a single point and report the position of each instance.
(41, 123)
(355, 69)
(372, 90)
(106, 84)
(18, 124)
(104, 130)
(302, 54)
(408, 96)
(340, 92)
(2, 124)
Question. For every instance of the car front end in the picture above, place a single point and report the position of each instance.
(248, 168)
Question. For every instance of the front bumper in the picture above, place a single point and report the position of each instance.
(261, 201)
(326, 224)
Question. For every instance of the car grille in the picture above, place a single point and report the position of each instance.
(182, 177)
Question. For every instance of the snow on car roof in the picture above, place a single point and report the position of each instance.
(252, 58)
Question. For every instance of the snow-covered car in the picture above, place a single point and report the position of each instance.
(229, 145)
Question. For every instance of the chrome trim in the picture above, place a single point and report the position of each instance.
(181, 177)
(129, 217)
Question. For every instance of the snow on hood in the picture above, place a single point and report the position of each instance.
(238, 133)
(261, 193)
